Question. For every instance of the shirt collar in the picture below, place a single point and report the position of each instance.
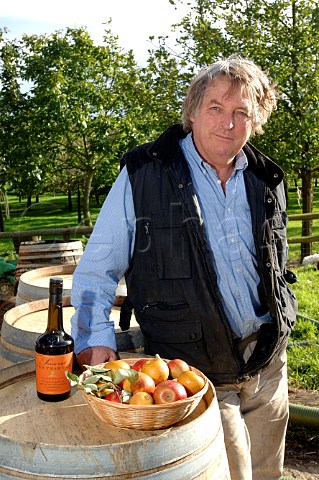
(191, 153)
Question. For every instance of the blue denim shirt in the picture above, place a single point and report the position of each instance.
(110, 248)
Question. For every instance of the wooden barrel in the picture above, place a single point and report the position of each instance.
(66, 440)
(6, 304)
(47, 253)
(24, 323)
(34, 284)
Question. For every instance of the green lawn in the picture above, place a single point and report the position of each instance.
(51, 212)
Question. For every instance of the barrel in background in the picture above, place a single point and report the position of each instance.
(34, 284)
(47, 253)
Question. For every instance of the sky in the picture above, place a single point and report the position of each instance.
(132, 20)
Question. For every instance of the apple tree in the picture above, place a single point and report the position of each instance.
(76, 102)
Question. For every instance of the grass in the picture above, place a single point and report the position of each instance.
(294, 227)
(307, 290)
(303, 351)
(303, 360)
(51, 212)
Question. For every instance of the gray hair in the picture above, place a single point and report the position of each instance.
(242, 73)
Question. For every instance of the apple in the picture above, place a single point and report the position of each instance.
(169, 391)
(115, 365)
(177, 366)
(141, 398)
(113, 397)
(192, 382)
(144, 383)
(138, 365)
(157, 369)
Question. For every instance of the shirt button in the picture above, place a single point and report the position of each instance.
(180, 185)
(219, 181)
(192, 336)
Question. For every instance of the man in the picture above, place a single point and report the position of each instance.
(196, 220)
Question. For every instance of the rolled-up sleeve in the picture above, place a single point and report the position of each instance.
(105, 260)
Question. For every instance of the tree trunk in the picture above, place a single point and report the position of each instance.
(307, 203)
(1, 215)
(79, 205)
(86, 199)
(69, 200)
(7, 206)
(286, 193)
(29, 201)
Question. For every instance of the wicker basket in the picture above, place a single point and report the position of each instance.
(145, 417)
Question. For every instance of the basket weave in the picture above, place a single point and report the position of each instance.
(145, 417)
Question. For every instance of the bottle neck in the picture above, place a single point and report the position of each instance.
(55, 312)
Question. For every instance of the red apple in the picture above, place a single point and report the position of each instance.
(114, 397)
(169, 391)
(144, 383)
(177, 366)
(138, 365)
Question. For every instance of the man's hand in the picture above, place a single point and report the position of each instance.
(95, 355)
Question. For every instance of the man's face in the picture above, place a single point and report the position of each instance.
(222, 123)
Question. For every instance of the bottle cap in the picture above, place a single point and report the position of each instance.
(56, 280)
(56, 284)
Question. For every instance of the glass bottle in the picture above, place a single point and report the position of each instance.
(54, 350)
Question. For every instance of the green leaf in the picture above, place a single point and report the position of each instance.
(125, 396)
(93, 379)
(105, 385)
(74, 379)
(89, 387)
(95, 369)
(122, 374)
(107, 378)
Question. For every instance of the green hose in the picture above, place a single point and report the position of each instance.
(304, 415)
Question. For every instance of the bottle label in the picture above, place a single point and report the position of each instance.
(50, 373)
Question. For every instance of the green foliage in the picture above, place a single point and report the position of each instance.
(305, 330)
(7, 269)
(307, 290)
(303, 351)
(282, 38)
(85, 106)
(303, 365)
